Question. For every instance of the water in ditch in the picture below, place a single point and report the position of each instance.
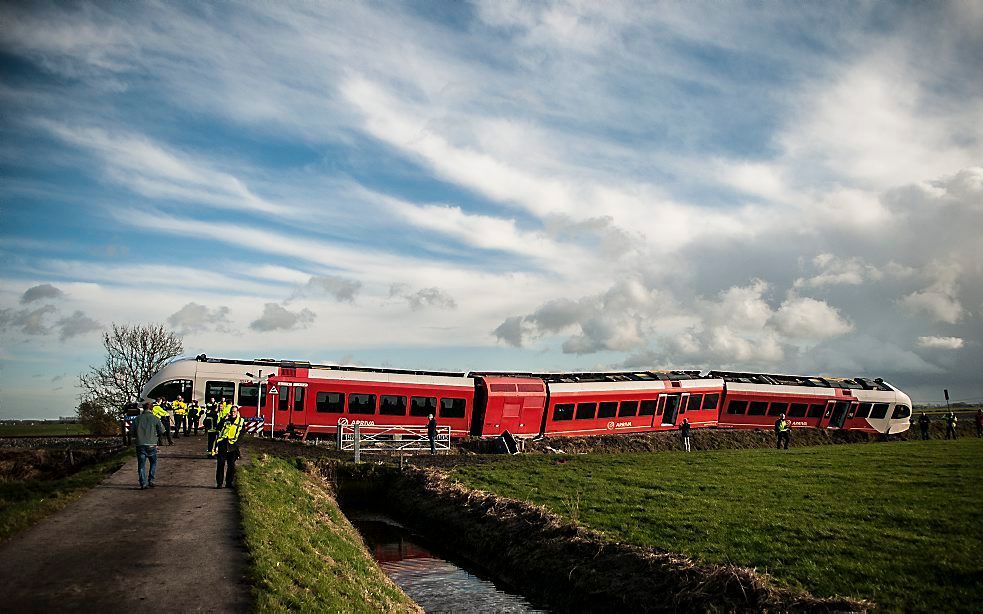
(436, 584)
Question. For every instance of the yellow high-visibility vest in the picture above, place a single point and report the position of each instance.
(231, 430)
(179, 408)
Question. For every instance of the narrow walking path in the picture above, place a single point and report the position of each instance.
(177, 547)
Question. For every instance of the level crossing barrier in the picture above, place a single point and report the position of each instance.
(358, 438)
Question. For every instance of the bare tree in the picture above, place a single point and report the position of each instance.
(133, 355)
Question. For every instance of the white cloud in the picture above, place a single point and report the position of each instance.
(808, 318)
(940, 300)
(193, 318)
(944, 343)
(76, 324)
(276, 317)
(342, 289)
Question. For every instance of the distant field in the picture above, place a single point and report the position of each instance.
(41, 430)
(898, 523)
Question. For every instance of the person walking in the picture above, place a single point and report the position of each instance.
(180, 416)
(432, 434)
(210, 424)
(950, 425)
(227, 448)
(923, 422)
(783, 432)
(165, 418)
(147, 431)
(684, 430)
(979, 422)
(194, 416)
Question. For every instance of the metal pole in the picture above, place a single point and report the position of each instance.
(357, 447)
(259, 398)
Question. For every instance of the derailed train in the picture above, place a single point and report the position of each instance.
(292, 396)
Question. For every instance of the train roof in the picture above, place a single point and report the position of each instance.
(300, 364)
(856, 383)
(598, 376)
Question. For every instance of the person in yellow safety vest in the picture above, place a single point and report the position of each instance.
(165, 419)
(223, 409)
(784, 432)
(211, 427)
(180, 416)
(227, 448)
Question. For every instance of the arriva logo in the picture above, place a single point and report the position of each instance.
(347, 422)
(619, 425)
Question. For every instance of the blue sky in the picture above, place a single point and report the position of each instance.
(786, 187)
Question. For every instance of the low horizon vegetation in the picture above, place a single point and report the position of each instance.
(896, 523)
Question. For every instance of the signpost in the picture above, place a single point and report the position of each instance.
(274, 392)
(946, 392)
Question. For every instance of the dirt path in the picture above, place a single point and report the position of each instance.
(177, 547)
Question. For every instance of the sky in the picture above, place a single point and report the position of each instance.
(781, 187)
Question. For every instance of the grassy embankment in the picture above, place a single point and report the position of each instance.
(897, 523)
(45, 429)
(25, 502)
(305, 556)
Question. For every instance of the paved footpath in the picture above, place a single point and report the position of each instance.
(176, 548)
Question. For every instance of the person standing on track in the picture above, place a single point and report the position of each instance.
(432, 434)
(923, 422)
(210, 423)
(783, 431)
(684, 430)
(950, 425)
(227, 448)
(147, 430)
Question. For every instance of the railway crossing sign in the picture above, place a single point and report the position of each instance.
(274, 390)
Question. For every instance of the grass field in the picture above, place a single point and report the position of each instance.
(25, 502)
(898, 523)
(47, 429)
(305, 556)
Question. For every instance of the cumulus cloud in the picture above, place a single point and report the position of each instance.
(808, 318)
(835, 271)
(76, 324)
(939, 301)
(424, 298)
(28, 321)
(510, 331)
(942, 343)
(342, 289)
(276, 317)
(194, 318)
(43, 292)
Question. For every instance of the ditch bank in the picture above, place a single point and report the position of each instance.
(555, 561)
(23, 464)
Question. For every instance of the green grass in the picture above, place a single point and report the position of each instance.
(46, 429)
(25, 502)
(898, 523)
(305, 556)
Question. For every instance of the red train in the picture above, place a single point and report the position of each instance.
(295, 395)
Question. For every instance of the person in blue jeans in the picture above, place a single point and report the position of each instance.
(147, 431)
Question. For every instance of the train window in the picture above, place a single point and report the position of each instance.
(736, 407)
(247, 395)
(283, 399)
(647, 408)
(710, 401)
(777, 409)
(361, 403)
(390, 405)
(695, 402)
(628, 408)
(585, 411)
(563, 411)
(758, 408)
(864, 410)
(330, 402)
(174, 388)
(879, 411)
(816, 411)
(607, 410)
(423, 406)
(452, 408)
(797, 410)
(682, 404)
(901, 411)
(662, 405)
(219, 390)
(853, 410)
(299, 398)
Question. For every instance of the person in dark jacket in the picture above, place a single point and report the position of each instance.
(211, 426)
(432, 434)
(923, 422)
(147, 430)
(684, 430)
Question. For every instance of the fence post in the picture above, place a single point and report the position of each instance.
(357, 450)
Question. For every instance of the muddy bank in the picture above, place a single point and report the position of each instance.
(49, 463)
(560, 563)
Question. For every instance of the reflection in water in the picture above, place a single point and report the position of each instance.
(434, 583)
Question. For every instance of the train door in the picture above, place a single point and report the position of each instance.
(298, 398)
(838, 414)
(672, 409)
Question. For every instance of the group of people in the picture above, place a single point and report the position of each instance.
(220, 420)
(950, 424)
(783, 433)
